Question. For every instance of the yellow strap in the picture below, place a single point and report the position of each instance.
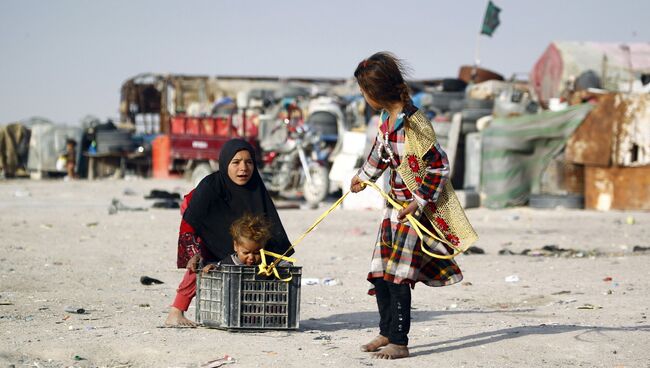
(417, 226)
(267, 270)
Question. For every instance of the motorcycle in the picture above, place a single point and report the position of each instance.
(296, 163)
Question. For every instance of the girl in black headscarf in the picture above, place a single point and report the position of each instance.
(219, 199)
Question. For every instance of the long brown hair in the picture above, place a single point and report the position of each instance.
(381, 76)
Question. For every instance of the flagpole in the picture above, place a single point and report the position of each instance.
(477, 60)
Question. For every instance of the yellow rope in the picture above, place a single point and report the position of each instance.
(269, 269)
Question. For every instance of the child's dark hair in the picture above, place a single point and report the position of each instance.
(252, 227)
(381, 76)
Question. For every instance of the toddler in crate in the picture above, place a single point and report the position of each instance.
(250, 234)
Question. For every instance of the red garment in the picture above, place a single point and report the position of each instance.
(189, 243)
(186, 291)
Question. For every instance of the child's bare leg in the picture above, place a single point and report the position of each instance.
(375, 344)
(392, 351)
(176, 318)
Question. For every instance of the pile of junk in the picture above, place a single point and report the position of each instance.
(529, 139)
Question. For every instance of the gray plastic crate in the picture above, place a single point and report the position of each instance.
(235, 297)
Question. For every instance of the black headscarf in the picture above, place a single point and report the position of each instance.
(217, 202)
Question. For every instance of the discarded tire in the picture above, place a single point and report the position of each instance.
(556, 201)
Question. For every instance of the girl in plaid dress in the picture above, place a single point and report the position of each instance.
(398, 261)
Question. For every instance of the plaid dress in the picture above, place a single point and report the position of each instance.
(398, 256)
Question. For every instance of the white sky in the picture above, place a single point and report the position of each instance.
(65, 59)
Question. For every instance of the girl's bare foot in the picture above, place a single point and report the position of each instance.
(392, 351)
(375, 344)
(177, 319)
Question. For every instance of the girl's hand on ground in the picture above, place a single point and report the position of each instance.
(209, 267)
(408, 210)
(193, 262)
(357, 184)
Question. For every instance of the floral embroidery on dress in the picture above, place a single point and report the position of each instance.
(442, 224)
(413, 163)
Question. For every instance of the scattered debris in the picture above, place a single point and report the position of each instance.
(129, 192)
(555, 251)
(630, 220)
(309, 281)
(512, 278)
(638, 248)
(561, 292)
(144, 305)
(608, 278)
(167, 204)
(589, 306)
(116, 206)
(466, 283)
(146, 280)
(474, 250)
(162, 194)
(76, 310)
(328, 281)
(92, 224)
(227, 359)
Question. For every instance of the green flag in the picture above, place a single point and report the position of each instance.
(491, 19)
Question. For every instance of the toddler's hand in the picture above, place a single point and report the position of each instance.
(209, 267)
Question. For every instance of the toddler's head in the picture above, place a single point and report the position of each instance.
(250, 234)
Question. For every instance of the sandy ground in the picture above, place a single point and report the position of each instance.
(60, 247)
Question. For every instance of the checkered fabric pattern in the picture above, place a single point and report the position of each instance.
(398, 255)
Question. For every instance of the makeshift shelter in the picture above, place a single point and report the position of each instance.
(613, 144)
(47, 143)
(14, 145)
(515, 152)
(619, 66)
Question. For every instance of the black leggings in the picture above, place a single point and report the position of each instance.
(394, 303)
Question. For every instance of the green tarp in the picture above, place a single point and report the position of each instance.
(515, 151)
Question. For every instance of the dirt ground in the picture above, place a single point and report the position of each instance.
(585, 307)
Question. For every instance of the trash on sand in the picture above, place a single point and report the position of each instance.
(144, 305)
(474, 250)
(552, 250)
(162, 194)
(608, 278)
(466, 283)
(116, 206)
(92, 224)
(146, 280)
(309, 281)
(79, 357)
(561, 292)
(77, 310)
(129, 192)
(323, 337)
(589, 306)
(638, 248)
(630, 220)
(512, 278)
(227, 359)
(328, 281)
(167, 204)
